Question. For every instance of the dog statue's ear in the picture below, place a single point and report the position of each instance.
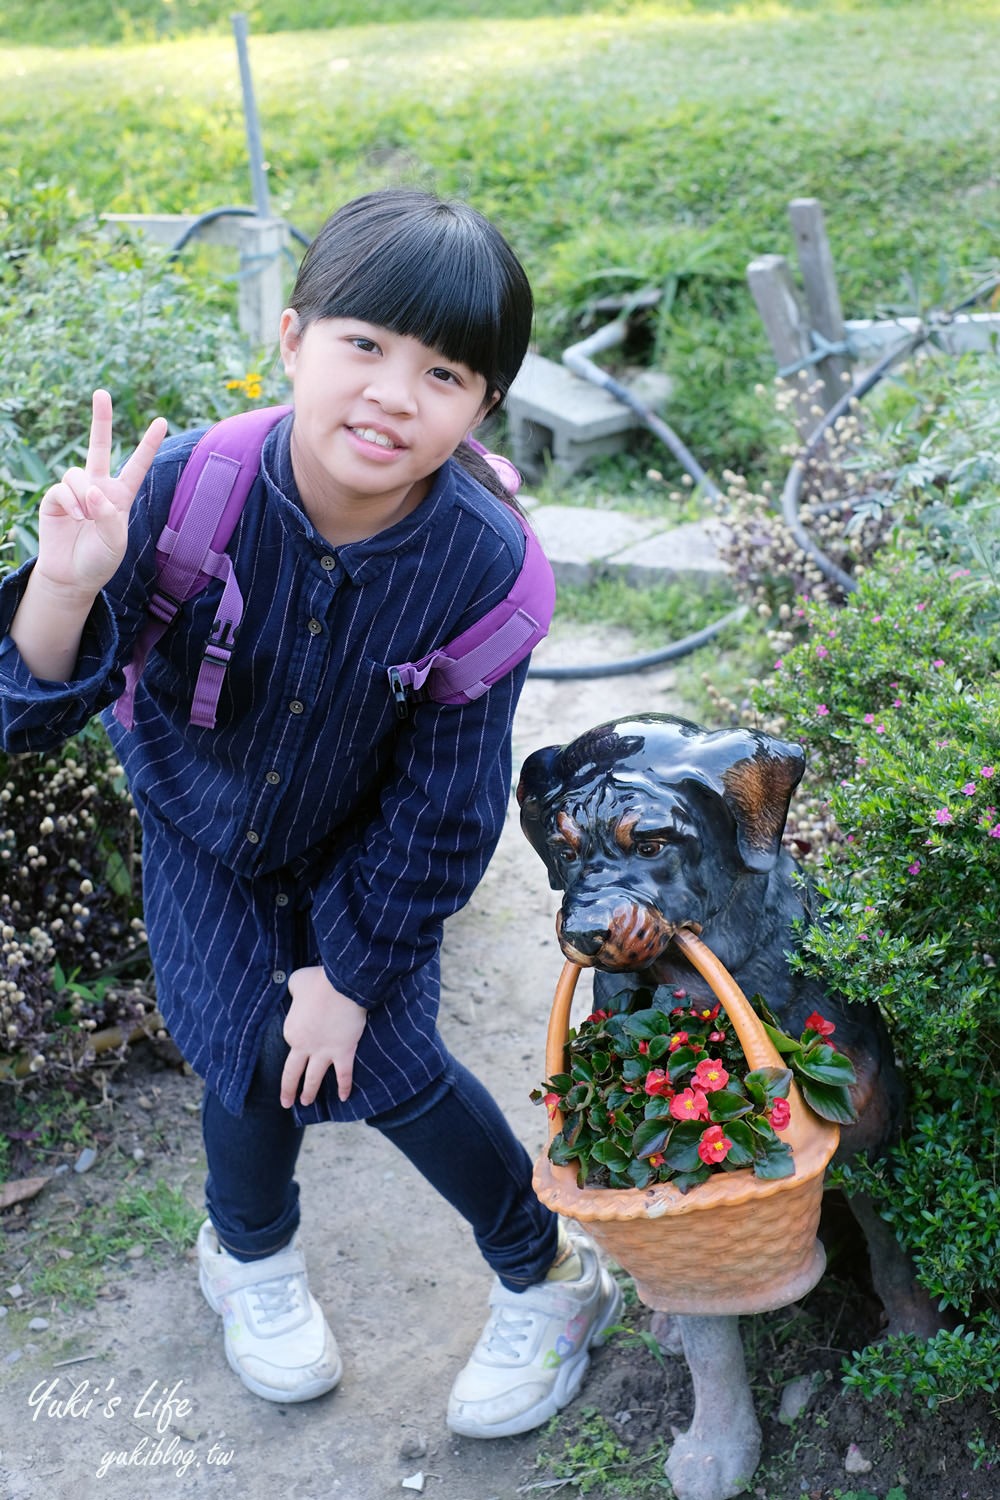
(757, 789)
(539, 778)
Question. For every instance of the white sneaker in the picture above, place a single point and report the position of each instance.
(534, 1351)
(276, 1337)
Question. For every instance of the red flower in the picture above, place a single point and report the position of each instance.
(643, 1048)
(691, 1104)
(714, 1146)
(656, 1160)
(817, 1023)
(710, 1075)
(781, 1113)
(705, 1012)
(716, 1036)
(552, 1103)
(658, 1082)
(599, 1015)
(678, 1040)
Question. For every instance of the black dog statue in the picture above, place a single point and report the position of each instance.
(653, 823)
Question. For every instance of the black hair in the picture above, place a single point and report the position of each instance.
(436, 271)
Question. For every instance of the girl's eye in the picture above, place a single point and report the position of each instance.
(367, 346)
(448, 376)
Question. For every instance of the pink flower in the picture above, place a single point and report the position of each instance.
(987, 771)
(897, 702)
(678, 1039)
(779, 664)
(819, 1024)
(714, 1146)
(656, 1160)
(690, 1104)
(880, 729)
(658, 1082)
(995, 832)
(876, 618)
(938, 661)
(869, 718)
(821, 651)
(942, 815)
(552, 1103)
(920, 607)
(781, 1113)
(969, 789)
(710, 1075)
(915, 868)
(822, 710)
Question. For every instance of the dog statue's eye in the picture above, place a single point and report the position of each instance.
(565, 853)
(649, 848)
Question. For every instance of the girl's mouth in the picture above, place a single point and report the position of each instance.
(372, 435)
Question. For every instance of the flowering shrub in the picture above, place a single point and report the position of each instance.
(70, 909)
(905, 765)
(658, 1092)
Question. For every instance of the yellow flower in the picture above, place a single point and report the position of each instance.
(251, 385)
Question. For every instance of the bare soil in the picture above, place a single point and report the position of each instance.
(157, 1411)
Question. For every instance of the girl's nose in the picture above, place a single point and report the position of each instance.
(392, 389)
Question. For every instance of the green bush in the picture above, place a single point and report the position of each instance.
(896, 697)
(83, 306)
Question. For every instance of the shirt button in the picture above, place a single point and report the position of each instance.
(295, 707)
(272, 778)
(328, 563)
(252, 837)
(281, 899)
(279, 976)
(314, 627)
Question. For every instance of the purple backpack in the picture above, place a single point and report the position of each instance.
(210, 494)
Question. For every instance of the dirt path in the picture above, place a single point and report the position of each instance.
(395, 1269)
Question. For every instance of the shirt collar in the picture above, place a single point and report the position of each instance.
(364, 560)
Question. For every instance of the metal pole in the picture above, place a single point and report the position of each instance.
(258, 176)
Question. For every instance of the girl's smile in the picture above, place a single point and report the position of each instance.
(376, 414)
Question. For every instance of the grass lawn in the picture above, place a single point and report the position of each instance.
(617, 144)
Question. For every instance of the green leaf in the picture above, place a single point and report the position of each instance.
(659, 1046)
(684, 1181)
(824, 1065)
(775, 1081)
(650, 1136)
(611, 1156)
(681, 1151)
(774, 1160)
(829, 1101)
(682, 1061)
(786, 1045)
(742, 1137)
(645, 1024)
(725, 1104)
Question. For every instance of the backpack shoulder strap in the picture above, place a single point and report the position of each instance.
(207, 502)
(462, 670)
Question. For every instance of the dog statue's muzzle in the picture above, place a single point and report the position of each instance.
(612, 933)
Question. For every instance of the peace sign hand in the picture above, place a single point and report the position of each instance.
(83, 520)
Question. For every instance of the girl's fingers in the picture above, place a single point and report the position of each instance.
(99, 448)
(135, 469)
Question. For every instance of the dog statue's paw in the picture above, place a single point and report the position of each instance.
(726, 1468)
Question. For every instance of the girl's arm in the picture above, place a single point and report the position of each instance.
(82, 535)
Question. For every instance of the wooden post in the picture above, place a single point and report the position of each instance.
(822, 297)
(777, 302)
(262, 243)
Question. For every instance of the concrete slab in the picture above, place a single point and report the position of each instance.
(583, 544)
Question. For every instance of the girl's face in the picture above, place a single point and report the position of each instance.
(376, 413)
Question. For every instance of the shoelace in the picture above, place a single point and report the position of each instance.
(507, 1330)
(276, 1299)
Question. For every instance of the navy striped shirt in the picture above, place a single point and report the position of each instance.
(311, 825)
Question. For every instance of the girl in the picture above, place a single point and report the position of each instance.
(300, 858)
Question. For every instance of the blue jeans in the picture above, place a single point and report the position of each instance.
(452, 1131)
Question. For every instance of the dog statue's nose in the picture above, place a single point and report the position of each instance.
(582, 941)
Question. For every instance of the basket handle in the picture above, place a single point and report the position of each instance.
(758, 1049)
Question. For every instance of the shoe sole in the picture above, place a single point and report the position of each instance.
(568, 1382)
(307, 1392)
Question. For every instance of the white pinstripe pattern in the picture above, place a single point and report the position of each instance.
(374, 833)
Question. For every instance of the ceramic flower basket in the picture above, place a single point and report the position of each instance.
(734, 1244)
